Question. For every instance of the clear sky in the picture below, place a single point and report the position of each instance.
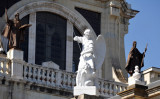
(145, 28)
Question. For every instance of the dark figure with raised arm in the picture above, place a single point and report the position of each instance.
(14, 31)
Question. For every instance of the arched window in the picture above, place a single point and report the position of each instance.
(24, 44)
(50, 39)
(77, 47)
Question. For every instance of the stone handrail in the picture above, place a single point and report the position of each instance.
(58, 79)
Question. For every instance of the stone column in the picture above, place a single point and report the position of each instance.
(32, 38)
(69, 47)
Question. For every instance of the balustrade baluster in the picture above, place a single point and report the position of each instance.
(4, 69)
(66, 80)
(107, 89)
(118, 88)
(1, 64)
(122, 88)
(62, 80)
(52, 78)
(34, 74)
(25, 72)
(48, 77)
(58, 79)
(30, 73)
(110, 90)
(69, 81)
(43, 76)
(39, 76)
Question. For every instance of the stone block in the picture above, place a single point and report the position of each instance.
(50, 64)
(15, 54)
(89, 90)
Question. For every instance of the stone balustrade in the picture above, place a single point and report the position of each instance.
(109, 88)
(59, 79)
(49, 77)
(5, 67)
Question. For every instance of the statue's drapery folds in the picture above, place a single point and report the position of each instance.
(135, 58)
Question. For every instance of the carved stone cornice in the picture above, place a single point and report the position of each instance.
(127, 12)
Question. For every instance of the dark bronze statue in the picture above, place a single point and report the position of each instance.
(135, 58)
(14, 31)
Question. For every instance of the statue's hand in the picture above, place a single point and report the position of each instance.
(145, 49)
(75, 38)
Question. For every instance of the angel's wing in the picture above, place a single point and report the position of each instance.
(100, 51)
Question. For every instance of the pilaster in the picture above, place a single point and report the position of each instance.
(32, 38)
(69, 47)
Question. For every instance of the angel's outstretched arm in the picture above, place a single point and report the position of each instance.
(78, 39)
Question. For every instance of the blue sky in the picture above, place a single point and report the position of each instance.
(145, 28)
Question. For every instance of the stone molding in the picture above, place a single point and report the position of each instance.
(153, 92)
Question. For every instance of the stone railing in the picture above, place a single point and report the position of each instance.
(53, 78)
(108, 88)
(49, 77)
(5, 67)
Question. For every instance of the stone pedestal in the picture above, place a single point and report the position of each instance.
(135, 78)
(134, 92)
(89, 90)
(132, 81)
(16, 57)
(84, 96)
(50, 64)
(15, 54)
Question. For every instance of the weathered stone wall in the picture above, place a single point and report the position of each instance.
(23, 90)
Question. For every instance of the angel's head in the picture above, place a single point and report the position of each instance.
(87, 33)
(17, 16)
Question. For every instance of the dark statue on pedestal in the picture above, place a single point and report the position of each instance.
(14, 31)
(135, 58)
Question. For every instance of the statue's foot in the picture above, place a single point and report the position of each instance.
(89, 83)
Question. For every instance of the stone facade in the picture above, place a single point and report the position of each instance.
(37, 81)
(115, 15)
(151, 75)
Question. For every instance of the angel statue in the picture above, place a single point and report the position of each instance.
(91, 59)
(14, 31)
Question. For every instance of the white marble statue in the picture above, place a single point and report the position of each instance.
(91, 59)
